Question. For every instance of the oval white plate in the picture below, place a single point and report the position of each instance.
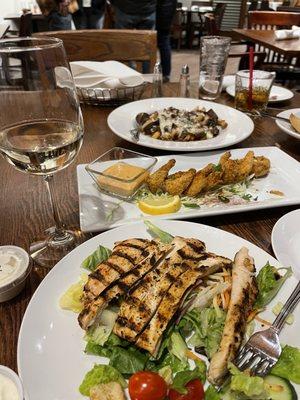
(122, 120)
(286, 126)
(277, 94)
(51, 361)
(286, 241)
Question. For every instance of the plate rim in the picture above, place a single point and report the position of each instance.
(285, 129)
(291, 94)
(156, 145)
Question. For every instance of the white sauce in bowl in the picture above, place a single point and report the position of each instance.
(8, 389)
(13, 264)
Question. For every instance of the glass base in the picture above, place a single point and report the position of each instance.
(46, 253)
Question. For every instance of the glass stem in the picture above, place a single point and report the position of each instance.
(60, 232)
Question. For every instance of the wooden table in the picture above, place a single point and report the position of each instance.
(266, 38)
(25, 209)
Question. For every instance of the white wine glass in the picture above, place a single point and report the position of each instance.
(41, 126)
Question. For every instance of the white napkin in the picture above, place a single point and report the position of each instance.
(107, 74)
(228, 80)
(283, 34)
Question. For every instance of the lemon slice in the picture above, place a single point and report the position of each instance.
(295, 122)
(156, 205)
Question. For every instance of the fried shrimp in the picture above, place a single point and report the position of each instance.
(177, 183)
(157, 179)
(261, 166)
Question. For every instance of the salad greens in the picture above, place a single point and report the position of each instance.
(71, 299)
(101, 332)
(99, 255)
(156, 232)
(184, 377)
(251, 386)
(178, 347)
(269, 282)
(276, 310)
(205, 326)
(100, 374)
(288, 365)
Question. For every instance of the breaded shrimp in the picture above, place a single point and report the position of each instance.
(245, 166)
(177, 183)
(199, 181)
(261, 166)
(157, 179)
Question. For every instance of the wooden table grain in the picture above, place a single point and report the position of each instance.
(25, 210)
(267, 38)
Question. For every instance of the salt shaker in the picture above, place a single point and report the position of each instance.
(184, 82)
(157, 80)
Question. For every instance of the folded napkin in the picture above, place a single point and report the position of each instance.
(107, 74)
(293, 33)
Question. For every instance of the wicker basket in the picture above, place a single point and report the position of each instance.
(110, 97)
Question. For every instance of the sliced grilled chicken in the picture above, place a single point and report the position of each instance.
(125, 256)
(140, 305)
(156, 251)
(243, 293)
(151, 337)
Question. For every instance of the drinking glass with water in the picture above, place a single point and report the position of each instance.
(213, 58)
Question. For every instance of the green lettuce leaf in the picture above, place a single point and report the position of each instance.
(71, 299)
(178, 347)
(167, 374)
(98, 256)
(211, 394)
(252, 386)
(288, 365)
(156, 232)
(100, 374)
(184, 377)
(269, 282)
(206, 327)
(100, 333)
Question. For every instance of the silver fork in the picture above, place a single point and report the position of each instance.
(262, 350)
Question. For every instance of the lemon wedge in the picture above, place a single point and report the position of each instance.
(156, 205)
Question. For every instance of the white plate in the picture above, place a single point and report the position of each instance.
(277, 94)
(122, 120)
(286, 126)
(51, 361)
(95, 207)
(286, 240)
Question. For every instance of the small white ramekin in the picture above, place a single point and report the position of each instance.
(9, 373)
(12, 289)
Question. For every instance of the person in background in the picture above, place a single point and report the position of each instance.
(90, 14)
(58, 13)
(165, 12)
(135, 14)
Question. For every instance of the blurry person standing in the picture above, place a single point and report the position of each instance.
(58, 13)
(165, 12)
(90, 14)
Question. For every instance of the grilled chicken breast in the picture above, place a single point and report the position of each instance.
(125, 256)
(141, 304)
(156, 251)
(151, 337)
(243, 293)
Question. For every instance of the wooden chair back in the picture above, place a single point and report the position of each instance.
(213, 21)
(108, 44)
(25, 25)
(203, 3)
(272, 20)
(267, 20)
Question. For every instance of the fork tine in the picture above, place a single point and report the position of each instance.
(264, 370)
(249, 363)
(241, 355)
(260, 366)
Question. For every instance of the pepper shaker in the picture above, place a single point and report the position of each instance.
(157, 80)
(184, 82)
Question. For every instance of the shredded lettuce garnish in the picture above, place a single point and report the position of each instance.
(98, 256)
(71, 299)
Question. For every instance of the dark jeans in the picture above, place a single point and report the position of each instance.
(128, 21)
(87, 18)
(58, 22)
(164, 45)
(164, 16)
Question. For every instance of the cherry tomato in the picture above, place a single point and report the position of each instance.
(147, 385)
(195, 392)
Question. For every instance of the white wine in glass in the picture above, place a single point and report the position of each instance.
(41, 126)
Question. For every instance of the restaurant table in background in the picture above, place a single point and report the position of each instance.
(25, 212)
(189, 13)
(39, 21)
(266, 38)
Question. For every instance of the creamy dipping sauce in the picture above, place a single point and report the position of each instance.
(129, 178)
(8, 389)
(11, 266)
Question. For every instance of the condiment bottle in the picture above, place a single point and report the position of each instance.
(184, 82)
(157, 80)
